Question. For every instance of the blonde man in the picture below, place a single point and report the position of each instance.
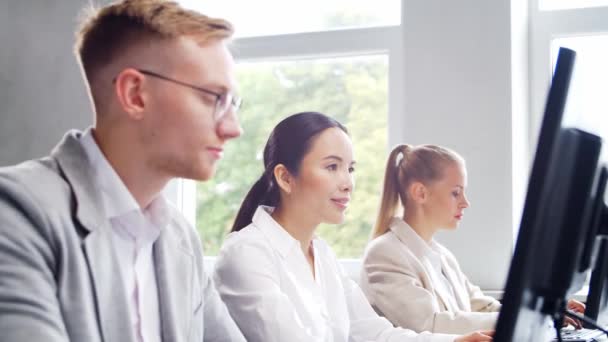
(89, 249)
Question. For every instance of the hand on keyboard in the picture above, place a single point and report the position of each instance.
(577, 307)
(579, 335)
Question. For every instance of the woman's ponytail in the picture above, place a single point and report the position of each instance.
(389, 201)
(263, 192)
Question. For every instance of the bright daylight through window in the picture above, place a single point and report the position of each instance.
(349, 83)
(352, 90)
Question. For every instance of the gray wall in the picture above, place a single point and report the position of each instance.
(460, 90)
(42, 94)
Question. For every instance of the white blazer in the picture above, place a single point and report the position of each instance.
(267, 284)
(402, 281)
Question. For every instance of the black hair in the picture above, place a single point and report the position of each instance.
(288, 143)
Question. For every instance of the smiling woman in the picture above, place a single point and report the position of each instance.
(285, 178)
(353, 89)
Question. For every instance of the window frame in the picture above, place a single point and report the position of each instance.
(544, 25)
(547, 25)
(385, 40)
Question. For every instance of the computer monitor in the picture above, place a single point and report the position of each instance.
(555, 219)
(597, 297)
(596, 228)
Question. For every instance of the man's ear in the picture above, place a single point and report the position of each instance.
(129, 89)
(418, 192)
(283, 178)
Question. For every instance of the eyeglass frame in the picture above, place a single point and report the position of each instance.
(218, 113)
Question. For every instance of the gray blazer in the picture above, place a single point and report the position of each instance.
(59, 276)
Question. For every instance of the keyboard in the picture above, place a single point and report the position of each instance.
(581, 335)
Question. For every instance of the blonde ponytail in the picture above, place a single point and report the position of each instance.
(391, 189)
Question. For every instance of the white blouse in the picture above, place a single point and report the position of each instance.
(267, 284)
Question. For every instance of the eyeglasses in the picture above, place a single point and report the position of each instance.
(223, 101)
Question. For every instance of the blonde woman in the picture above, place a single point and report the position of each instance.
(407, 276)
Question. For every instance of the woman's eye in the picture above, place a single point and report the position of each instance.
(351, 169)
(332, 167)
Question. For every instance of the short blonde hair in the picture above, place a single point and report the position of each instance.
(108, 30)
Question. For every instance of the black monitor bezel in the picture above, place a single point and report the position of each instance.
(517, 279)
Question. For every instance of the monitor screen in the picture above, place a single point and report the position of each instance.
(555, 219)
(596, 255)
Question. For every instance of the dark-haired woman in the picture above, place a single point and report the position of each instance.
(279, 280)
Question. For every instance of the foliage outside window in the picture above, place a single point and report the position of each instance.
(353, 90)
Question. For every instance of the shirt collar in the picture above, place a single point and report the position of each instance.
(279, 238)
(117, 199)
(417, 244)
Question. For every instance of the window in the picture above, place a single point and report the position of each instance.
(587, 105)
(273, 17)
(338, 65)
(580, 25)
(351, 89)
(548, 5)
(584, 30)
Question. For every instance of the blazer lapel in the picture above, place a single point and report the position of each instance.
(109, 291)
(175, 278)
(417, 246)
(110, 297)
(439, 292)
(459, 291)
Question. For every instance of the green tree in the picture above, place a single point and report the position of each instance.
(353, 90)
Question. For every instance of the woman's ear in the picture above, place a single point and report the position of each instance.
(283, 178)
(418, 192)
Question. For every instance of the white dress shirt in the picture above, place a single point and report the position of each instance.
(268, 286)
(438, 272)
(134, 232)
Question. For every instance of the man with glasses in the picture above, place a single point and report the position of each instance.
(89, 249)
